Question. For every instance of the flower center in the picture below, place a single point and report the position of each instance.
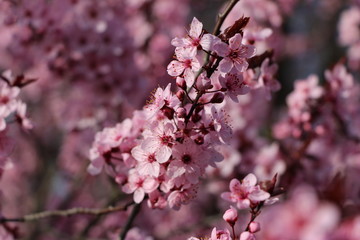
(167, 140)
(234, 54)
(186, 158)
(187, 63)
(151, 158)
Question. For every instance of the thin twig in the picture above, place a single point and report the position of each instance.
(222, 16)
(94, 221)
(220, 20)
(66, 213)
(254, 213)
(130, 221)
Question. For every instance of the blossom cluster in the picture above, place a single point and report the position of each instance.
(167, 146)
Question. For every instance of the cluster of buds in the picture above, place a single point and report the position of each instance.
(163, 151)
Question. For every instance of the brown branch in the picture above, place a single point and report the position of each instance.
(222, 16)
(130, 221)
(66, 213)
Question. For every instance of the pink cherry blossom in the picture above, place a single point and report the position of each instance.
(349, 26)
(183, 196)
(147, 162)
(186, 65)
(245, 193)
(305, 91)
(160, 101)
(21, 115)
(269, 162)
(340, 80)
(188, 163)
(9, 102)
(234, 85)
(234, 54)
(156, 200)
(220, 234)
(231, 216)
(139, 185)
(216, 125)
(195, 38)
(160, 140)
(251, 35)
(247, 236)
(267, 79)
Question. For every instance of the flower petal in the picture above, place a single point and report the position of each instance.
(207, 42)
(235, 185)
(189, 77)
(150, 184)
(163, 154)
(222, 49)
(235, 41)
(241, 64)
(175, 68)
(258, 195)
(178, 42)
(195, 28)
(225, 65)
(247, 51)
(139, 195)
(249, 181)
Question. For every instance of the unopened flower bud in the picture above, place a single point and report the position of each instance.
(217, 98)
(180, 82)
(180, 95)
(203, 83)
(231, 216)
(181, 112)
(254, 227)
(247, 236)
(168, 112)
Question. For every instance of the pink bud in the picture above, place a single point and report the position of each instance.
(247, 236)
(217, 98)
(254, 227)
(231, 216)
(180, 82)
(181, 112)
(203, 83)
(168, 112)
(180, 95)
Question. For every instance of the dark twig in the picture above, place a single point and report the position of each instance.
(66, 213)
(222, 16)
(130, 221)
